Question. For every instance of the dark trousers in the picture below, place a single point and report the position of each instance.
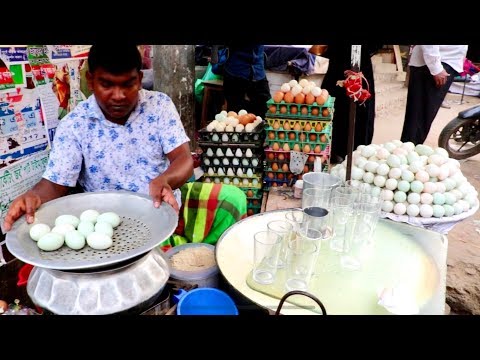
(423, 102)
(258, 93)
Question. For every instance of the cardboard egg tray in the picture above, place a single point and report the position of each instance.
(255, 137)
(329, 104)
(256, 171)
(246, 162)
(257, 151)
(301, 146)
(326, 126)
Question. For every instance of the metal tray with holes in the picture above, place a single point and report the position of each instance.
(142, 228)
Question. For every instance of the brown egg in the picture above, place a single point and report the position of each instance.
(307, 127)
(3, 306)
(297, 126)
(286, 147)
(304, 110)
(286, 125)
(311, 158)
(313, 137)
(315, 111)
(281, 135)
(300, 98)
(306, 148)
(250, 212)
(323, 138)
(271, 135)
(288, 97)
(293, 109)
(270, 175)
(251, 117)
(309, 99)
(270, 156)
(278, 96)
(281, 157)
(275, 167)
(285, 167)
(280, 176)
(291, 136)
(276, 125)
(317, 149)
(274, 184)
(290, 176)
(320, 100)
(283, 109)
(255, 202)
(272, 109)
(249, 193)
(326, 112)
(306, 169)
(296, 147)
(302, 137)
(232, 113)
(275, 146)
(318, 127)
(284, 185)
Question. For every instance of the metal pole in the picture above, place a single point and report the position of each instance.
(355, 57)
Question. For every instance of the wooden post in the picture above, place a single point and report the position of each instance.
(174, 75)
(356, 52)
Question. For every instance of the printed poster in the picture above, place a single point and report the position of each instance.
(18, 178)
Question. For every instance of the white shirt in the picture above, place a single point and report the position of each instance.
(103, 155)
(434, 55)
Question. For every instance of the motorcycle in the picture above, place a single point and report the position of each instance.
(461, 136)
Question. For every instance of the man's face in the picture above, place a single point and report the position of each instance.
(116, 94)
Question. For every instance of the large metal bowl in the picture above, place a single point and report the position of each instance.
(142, 228)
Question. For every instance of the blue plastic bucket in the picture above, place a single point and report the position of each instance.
(206, 301)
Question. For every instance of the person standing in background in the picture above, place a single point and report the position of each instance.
(245, 83)
(339, 56)
(432, 69)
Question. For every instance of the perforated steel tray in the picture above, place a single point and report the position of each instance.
(142, 228)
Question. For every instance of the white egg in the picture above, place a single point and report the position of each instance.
(89, 215)
(104, 227)
(413, 210)
(442, 152)
(426, 211)
(413, 198)
(357, 173)
(51, 241)
(86, 228)
(395, 173)
(429, 187)
(393, 161)
(99, 241)
(403, 186)
(432, 170)
(75, 240)
(368, 177)
(67, 219)
(379, 180)
(399, 209)
(438, 211)
(371, 166)
(449, 210)
(221, 172)
(399, 196)
(387, 206)
(63, 229)
(387, 195)
(216, 180)
(368, 151)
(426, 198)
(391, 184)
(38, 230)
(219, 152)
(422, 176)
(111, 218)
(389, 146)
(248, 153)
(407, 175)
(383, 169)
(441, 188)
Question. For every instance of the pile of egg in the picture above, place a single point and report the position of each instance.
(92, 228)
(303, 92)
(412, 180)
(233, 122)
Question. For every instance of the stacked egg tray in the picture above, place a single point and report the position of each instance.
(254, 200)
(246, 163)
(284, 110)
(255, 137)
(312, 137)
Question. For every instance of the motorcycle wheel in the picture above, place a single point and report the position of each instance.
(461, 138)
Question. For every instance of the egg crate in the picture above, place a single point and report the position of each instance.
(256, 171)
(255, 137)
(255, 193)
(268, 183)
(221, 180)
(325, 127)
(329, 104)
(301, 145)
(257, 151)
(309, 164)
(242, 162)
(298, 136)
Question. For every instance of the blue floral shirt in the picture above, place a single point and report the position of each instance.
(103, 155)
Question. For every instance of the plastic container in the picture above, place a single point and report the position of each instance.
(202, 278)
(206, 301)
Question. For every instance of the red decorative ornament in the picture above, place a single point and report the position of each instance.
(353, 86)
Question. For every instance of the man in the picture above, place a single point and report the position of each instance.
(432, 69)
(121, 138)
(245, 83)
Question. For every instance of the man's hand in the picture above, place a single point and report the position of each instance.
(160, 191)
(24, 204)
(441, 78)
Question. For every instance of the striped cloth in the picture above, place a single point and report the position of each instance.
(208, 210)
